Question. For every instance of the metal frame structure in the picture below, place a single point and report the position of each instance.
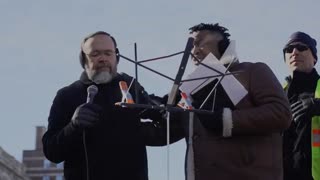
(175, 88)
(177, 81)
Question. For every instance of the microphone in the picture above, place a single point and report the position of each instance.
(92, 92)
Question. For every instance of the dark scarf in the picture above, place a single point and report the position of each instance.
(301, 84)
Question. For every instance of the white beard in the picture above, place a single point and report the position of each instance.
(102, 77)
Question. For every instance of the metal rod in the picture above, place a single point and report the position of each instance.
(216, 85)
(136, 72)
(130, 60)
(207, 77)
(168, 145)
(198, 61)
(182, 67)
(166, 108)
(161, 57)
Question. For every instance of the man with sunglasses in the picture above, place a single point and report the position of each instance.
(302, 139)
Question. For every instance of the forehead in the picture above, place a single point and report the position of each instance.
(206, 35)
(297, 42)
(201, 34)
(98, 42)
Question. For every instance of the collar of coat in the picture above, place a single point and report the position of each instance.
(303, 78)
(230, 54)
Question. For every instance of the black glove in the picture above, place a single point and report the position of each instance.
(212, 122)
(157, 101)
(86, 115)
(305, 108)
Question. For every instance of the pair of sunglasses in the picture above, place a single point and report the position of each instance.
(299, 47)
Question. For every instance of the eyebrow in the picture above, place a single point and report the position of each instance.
(106, 50)
(198, 40)
(300, 43)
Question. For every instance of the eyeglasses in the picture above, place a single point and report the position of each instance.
(299, 47)
(95, 54)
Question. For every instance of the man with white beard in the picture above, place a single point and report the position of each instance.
(98, 140)
(100, 54)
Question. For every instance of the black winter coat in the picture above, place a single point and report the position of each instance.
(297, 139)
(116, 147)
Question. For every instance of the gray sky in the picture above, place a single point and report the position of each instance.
(40, 42)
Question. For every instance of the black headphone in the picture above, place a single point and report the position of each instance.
(82, 56)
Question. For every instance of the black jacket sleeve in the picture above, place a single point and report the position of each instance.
(154, 129)
(155, 132)
(61, 138)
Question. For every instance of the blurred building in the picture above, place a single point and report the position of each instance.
(37, 166)
(10, 168)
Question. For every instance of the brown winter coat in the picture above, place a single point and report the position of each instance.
(254, 152)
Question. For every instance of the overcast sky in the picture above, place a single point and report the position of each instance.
(40, 43)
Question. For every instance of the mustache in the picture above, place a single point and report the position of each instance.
(103, 65)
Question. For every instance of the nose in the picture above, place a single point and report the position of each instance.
(295, 51)
(103, 57)
(195, 50)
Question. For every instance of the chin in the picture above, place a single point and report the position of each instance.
(294, 68)
(302, 70)
(100, 77)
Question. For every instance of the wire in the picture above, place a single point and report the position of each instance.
(86, 154)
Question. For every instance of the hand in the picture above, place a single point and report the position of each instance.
(212, 122)
(157, 101)
(86, 115)
(154, 114)
(305, 108)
